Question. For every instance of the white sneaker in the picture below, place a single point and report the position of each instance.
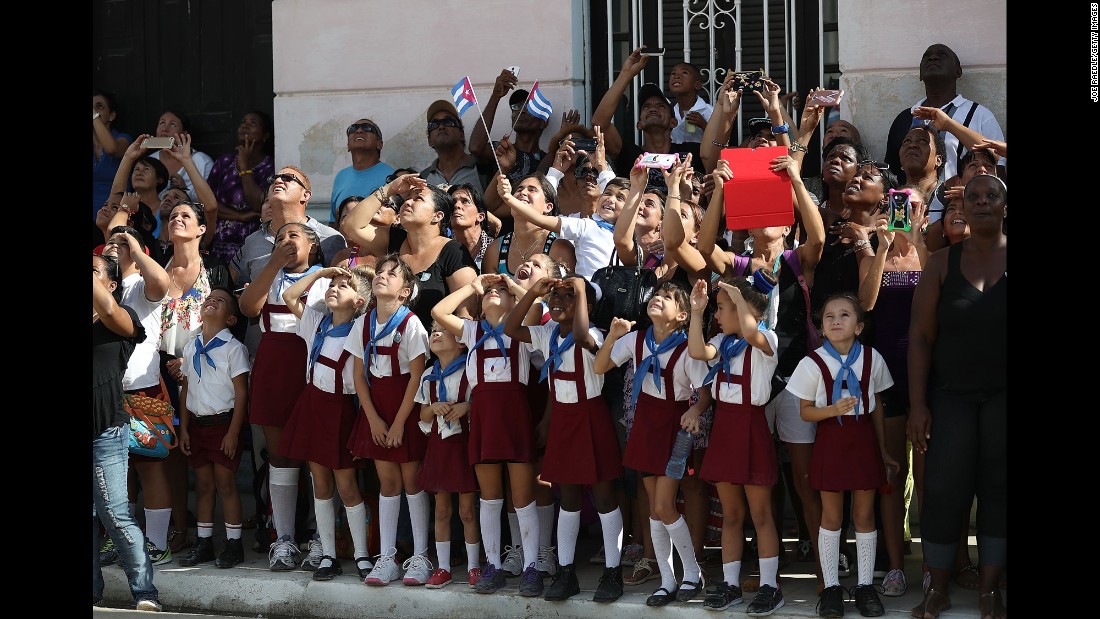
(513, 561)
(418, 569)
(314, 554)
(150, 605)
(283, 554)
(384, 571)
(547, 561)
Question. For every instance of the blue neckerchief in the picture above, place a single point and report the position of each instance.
(553, 362)
(846, 374)
(652, 364)
(492, 332)
(441, 374)
(293, 277)
(730, 347)
(610, 227)
(390, 325)
(201, 350)
(327, 330)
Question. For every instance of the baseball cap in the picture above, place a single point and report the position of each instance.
(756, 125)
(649, 89)
(443, 105)
(519, 96)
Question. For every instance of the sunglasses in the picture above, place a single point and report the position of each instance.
(290, 178)
(443, 122)
(516, 107)
(583, 172)
(871, 162)
(369, 128)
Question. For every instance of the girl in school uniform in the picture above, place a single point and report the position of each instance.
(321, 423)
(501, 427)
(393, 341)
(581, 447)
(743, 466)
(839, 385)
(661, 389)
(444, 396)
(279, 371)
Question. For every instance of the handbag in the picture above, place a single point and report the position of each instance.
(151, 423)
(625, 291)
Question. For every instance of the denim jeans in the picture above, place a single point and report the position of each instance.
(110, 460)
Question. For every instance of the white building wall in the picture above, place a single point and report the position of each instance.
(881, 44)
(336, 61)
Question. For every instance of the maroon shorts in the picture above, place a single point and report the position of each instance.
(206, 446)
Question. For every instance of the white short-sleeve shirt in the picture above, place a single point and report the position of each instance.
(685, 369)
(212, 392)
(324, 377)
(593, 244)
(496, 368)
(565, 391)
(807, 383)
(763, 367)
(414, 342)
(453, 383)
(143, 367)
(288, 322)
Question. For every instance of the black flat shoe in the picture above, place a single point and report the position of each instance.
(328, 572)
(686, 595)
(661, 597)
(363, 571)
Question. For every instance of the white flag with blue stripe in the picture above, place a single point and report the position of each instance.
(537, 104)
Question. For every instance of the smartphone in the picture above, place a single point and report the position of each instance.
(901, 210)
(825, 98)
(158, 142)
(588, 145)
(659, 160)
(652, 51)
(749, 80)
(514, 70)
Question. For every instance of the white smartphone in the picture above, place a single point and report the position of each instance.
(514, 70)
(158, 142)
(659, 160)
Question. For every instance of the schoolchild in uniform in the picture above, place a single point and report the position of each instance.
(393, 341)
(661, 389)
(581, 447)
(501, 427)
(279, 373)
(744, 466)
(839, 386)
(444, 396)
(318, 429)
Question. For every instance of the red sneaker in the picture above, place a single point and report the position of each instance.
(475, 574)
(440, 578)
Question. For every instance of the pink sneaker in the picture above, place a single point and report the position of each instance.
(472, 578)
(440, 578)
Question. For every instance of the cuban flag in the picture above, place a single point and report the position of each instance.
(463, 95)
(538, 105)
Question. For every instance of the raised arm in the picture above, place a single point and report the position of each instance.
(605, 111)
(582, 335)
(628, 217)
(182, 151)
(809, 253)
(942, 122)
(717, 132)
(111, 314)
(154, 275)
(122, 175)
(513, 323)
(707, 245)
(357, 226)
(619, 328)
(673, 233)
(444, 311)
(698, 347)
(524, 211)
(870, 271)
(769, 99)
(754, 336)
(480, 144)
(811, 118)
(292, 296)
(255, 294)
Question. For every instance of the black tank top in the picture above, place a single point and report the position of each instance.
(970, 353)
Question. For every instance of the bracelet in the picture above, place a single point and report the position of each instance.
(244, 172)
(797, 146)
(784, 128)
(673, 198)
(719, 144)
(380, 194)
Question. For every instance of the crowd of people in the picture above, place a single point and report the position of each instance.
(434, 342)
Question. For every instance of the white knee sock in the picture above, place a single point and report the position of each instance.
(769, 571)
(513, 530)
(490, 529)
(357, 525)
(681, 538)
(419, 506)
(443, 555)
(389, 508)
(473, 556)
(569, 525)
(546, 525)
(731, 573)
(866, 545)
(529, 531)
(828, 547)
(612, 524)
(283, 484)
(156, 526)
(325, 513)
(662, 547)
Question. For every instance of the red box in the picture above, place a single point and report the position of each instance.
(756, 197)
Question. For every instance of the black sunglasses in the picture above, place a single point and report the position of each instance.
(290, 178)
(581, 172)
(516, 107)
(443, 122)
(878, 164)
(369, 128)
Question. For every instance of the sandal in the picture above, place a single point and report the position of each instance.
(968, 577)
(991, 605)
(178, 540)
(661, 597)
(645, 569)
(932, 605)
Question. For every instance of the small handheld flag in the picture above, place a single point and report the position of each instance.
(538, 105)
(463, 95)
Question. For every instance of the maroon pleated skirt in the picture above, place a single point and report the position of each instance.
(656, 423)
(501, 426)
(847, 457)
(319, 428)
(278, 378)
(387, 393)
(446, 466)
(581, 447)
(744, 452)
